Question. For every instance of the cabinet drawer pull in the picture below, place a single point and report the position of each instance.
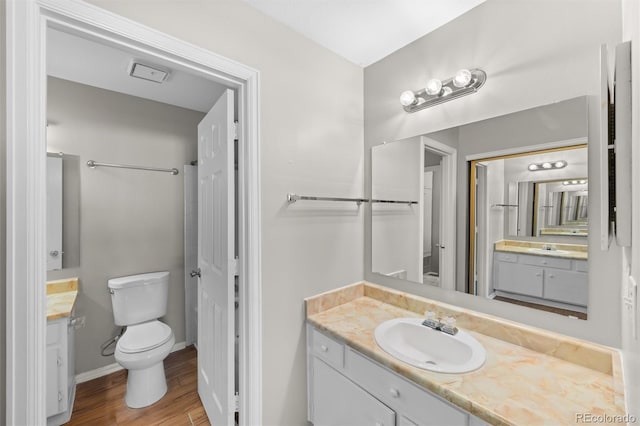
(324, 348)
(394, 392)
(538, 274)
(551, 276)
(544, 262)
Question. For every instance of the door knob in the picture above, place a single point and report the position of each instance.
(54, 253)
(195, 273)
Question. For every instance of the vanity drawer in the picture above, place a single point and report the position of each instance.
(582, 266)
(546, 261)
(326, 348)
(506, 257)
(417, 404)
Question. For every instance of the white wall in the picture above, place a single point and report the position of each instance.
(631, 343)
(3, 196)
(535, 53)
(397, 228)
(311, 139)
(131, 221)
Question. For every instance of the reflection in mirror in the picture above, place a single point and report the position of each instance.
(63, 211)
(542, 211)
(530, 247)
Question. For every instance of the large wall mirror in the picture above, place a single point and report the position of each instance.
(511, 192)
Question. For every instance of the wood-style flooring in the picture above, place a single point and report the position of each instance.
(565, 312)
(101, 401)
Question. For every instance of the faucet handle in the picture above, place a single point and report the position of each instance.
(449, 325)
(430, 319)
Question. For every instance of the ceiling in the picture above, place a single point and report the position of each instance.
(88, 62)
(364, 31)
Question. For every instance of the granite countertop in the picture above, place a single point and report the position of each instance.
(530, 377)
(61, 297)
(569, 251)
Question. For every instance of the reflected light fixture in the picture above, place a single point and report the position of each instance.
(435, 92)
(547, 165)
(575, 182)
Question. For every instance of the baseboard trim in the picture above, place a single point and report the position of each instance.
(112, 368)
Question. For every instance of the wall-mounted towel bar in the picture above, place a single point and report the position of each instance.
(93, 164)
(504, 205)
(395, 201)
(292, 198)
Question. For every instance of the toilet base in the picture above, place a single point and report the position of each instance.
(145, 386)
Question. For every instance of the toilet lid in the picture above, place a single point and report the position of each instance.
(144, 337)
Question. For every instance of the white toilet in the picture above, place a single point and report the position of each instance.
(138, 301)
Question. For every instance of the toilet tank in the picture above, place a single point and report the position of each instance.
(139, 298)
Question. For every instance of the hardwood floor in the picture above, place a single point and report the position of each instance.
(560, 311)
(101, 401)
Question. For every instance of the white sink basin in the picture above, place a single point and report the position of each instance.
(423, 347)
(548, 252)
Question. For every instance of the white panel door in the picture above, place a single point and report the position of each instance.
(216, 226)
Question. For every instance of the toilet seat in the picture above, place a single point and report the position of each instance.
(144, 337)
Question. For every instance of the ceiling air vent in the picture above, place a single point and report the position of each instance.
(148, 72)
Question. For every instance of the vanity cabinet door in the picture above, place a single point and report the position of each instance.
(518, 278)
(54, 379)
(566, 286)
(337, 401)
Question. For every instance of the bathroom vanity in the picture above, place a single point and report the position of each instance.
(530, 376)
(60, 362)
(552, 275)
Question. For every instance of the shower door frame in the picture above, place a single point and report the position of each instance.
(27, 21)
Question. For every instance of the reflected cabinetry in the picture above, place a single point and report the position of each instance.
(547, 280)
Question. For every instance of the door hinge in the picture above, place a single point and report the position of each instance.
(235, 268)
(236, 398)
(235, 130)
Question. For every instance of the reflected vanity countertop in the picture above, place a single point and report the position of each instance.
(531, 376)
(565, 251)
(61, 297)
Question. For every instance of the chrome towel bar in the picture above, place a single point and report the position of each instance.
(93, 164)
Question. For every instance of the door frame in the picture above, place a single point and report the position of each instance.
(448, 215)
(27, 21)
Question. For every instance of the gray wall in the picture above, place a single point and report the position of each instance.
(3, 196)
(311, 140)
(131, 220)
(535, 53)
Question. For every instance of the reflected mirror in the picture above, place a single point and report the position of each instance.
(520, 181)
(63, 211)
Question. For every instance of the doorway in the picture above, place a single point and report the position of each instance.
(27, 23)
(439, 229)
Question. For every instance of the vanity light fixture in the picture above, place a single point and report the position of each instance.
(465, 82)
(547, 165)
(575, 182)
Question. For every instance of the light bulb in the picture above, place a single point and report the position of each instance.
(560, 164)
(433, 87)
(533, 167)
(575, 182)
(407, 98)
(566, 182)
(462, 78)
(583, 181)
(546, 165)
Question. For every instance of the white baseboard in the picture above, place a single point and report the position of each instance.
(112, 368)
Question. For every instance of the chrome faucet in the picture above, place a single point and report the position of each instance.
(446, 324)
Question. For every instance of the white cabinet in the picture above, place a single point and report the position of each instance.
(546, 280)
(345, 388)
(60, 383)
